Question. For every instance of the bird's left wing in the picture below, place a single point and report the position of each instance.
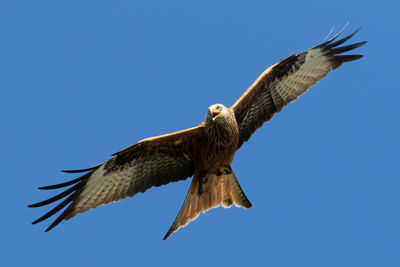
(151, 162)
(285, 81)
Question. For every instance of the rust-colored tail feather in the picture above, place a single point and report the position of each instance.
(219, 190)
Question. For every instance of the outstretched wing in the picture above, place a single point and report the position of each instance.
(151, 162)
(285, 81)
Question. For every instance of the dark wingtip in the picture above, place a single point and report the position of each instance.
(342, 49)
(81, 170)
(71, 194)
(339, 60)
(51, 226)
(57, 197)
(60, 218)
(56, 209)
(61, 185)
(324, 43)
(333, 49)
(355, 57)
(329, 43)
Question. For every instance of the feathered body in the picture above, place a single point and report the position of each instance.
(216, 149)
(220, 140)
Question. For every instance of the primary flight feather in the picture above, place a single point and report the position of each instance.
(205, 151)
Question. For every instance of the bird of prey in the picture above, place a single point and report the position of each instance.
(204, 152)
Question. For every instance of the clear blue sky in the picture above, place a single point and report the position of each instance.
(83, 79)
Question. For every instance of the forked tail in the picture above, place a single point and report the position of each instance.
(218, 190)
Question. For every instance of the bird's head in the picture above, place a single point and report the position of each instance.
(217, 113)
(221, 125)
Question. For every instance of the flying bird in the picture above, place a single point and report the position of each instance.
(204, 152)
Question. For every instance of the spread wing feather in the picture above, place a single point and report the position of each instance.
(285, 81)
(151, 162)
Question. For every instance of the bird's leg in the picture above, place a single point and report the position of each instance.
(202, 180)
(224, 170)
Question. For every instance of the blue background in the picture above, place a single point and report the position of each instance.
(83, 79)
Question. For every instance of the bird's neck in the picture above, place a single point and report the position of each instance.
(224, 133)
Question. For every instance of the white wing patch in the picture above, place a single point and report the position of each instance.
(316, 65)
(105, 186)
(102, 188)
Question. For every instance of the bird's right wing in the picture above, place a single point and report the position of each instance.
(151, 162)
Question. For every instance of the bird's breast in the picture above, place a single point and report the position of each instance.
(218, 148)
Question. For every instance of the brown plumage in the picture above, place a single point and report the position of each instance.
(205, 151)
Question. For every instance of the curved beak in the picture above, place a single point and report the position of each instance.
(214, 113)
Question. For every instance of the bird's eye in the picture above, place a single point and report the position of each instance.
(219, 108)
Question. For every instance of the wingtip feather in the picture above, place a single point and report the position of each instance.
(56, 197)
(81, 170)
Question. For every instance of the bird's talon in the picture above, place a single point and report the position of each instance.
(223, 170)
(202, 180)
(200, 189)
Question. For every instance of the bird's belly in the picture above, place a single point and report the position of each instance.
(215, 157)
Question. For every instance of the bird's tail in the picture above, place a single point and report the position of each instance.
(218, 190)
